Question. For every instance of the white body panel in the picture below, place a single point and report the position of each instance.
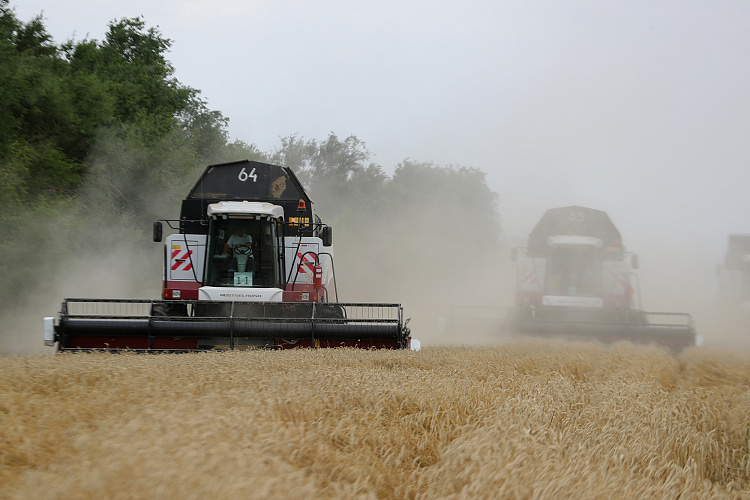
(531, 274)
(239, 294)
(571, 301)
(300, 256)
(186, 254)
(617, 276)
(185, 261)
(618, 279)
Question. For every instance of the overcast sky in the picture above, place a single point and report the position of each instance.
(638, 108)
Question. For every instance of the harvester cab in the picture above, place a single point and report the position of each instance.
(249, 265)
(575, 280)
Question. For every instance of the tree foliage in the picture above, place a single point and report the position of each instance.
(99, 134)
(99, 129)
(339, 173)
(60, 102)
(412, 223)
(335, 171)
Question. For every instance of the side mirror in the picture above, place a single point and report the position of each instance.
(326, 234)
(157, 231)
(634, 261)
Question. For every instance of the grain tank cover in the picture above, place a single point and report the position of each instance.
(250, 181)
(574, 221)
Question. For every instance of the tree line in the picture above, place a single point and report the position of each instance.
(100, 133)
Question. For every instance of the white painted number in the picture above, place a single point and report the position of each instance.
(244, 175)
(576, 216)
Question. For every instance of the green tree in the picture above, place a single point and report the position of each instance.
(454, 193)
(132, 61)
(37, 111)
(159, 129)
(422, 222)
(100, 135)
(336, 172)
(94, 135)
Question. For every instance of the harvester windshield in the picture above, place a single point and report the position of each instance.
(244, 252)
(574, 272)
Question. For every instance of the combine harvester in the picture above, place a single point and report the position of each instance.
(251, 266)
(575, 280)
(734, 274)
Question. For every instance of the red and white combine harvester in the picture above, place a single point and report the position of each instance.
(249, 266)
(576, 281)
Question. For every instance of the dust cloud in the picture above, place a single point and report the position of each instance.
(434, 253)
(437, 261)
(458, 293)
(97, 248)
(127, 269)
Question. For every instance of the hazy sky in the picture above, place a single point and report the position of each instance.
(638, 108)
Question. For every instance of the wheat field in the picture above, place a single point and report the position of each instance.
(520, 420)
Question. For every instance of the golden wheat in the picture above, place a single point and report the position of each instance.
(523, 420)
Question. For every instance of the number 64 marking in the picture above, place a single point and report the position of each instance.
(244, 175)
